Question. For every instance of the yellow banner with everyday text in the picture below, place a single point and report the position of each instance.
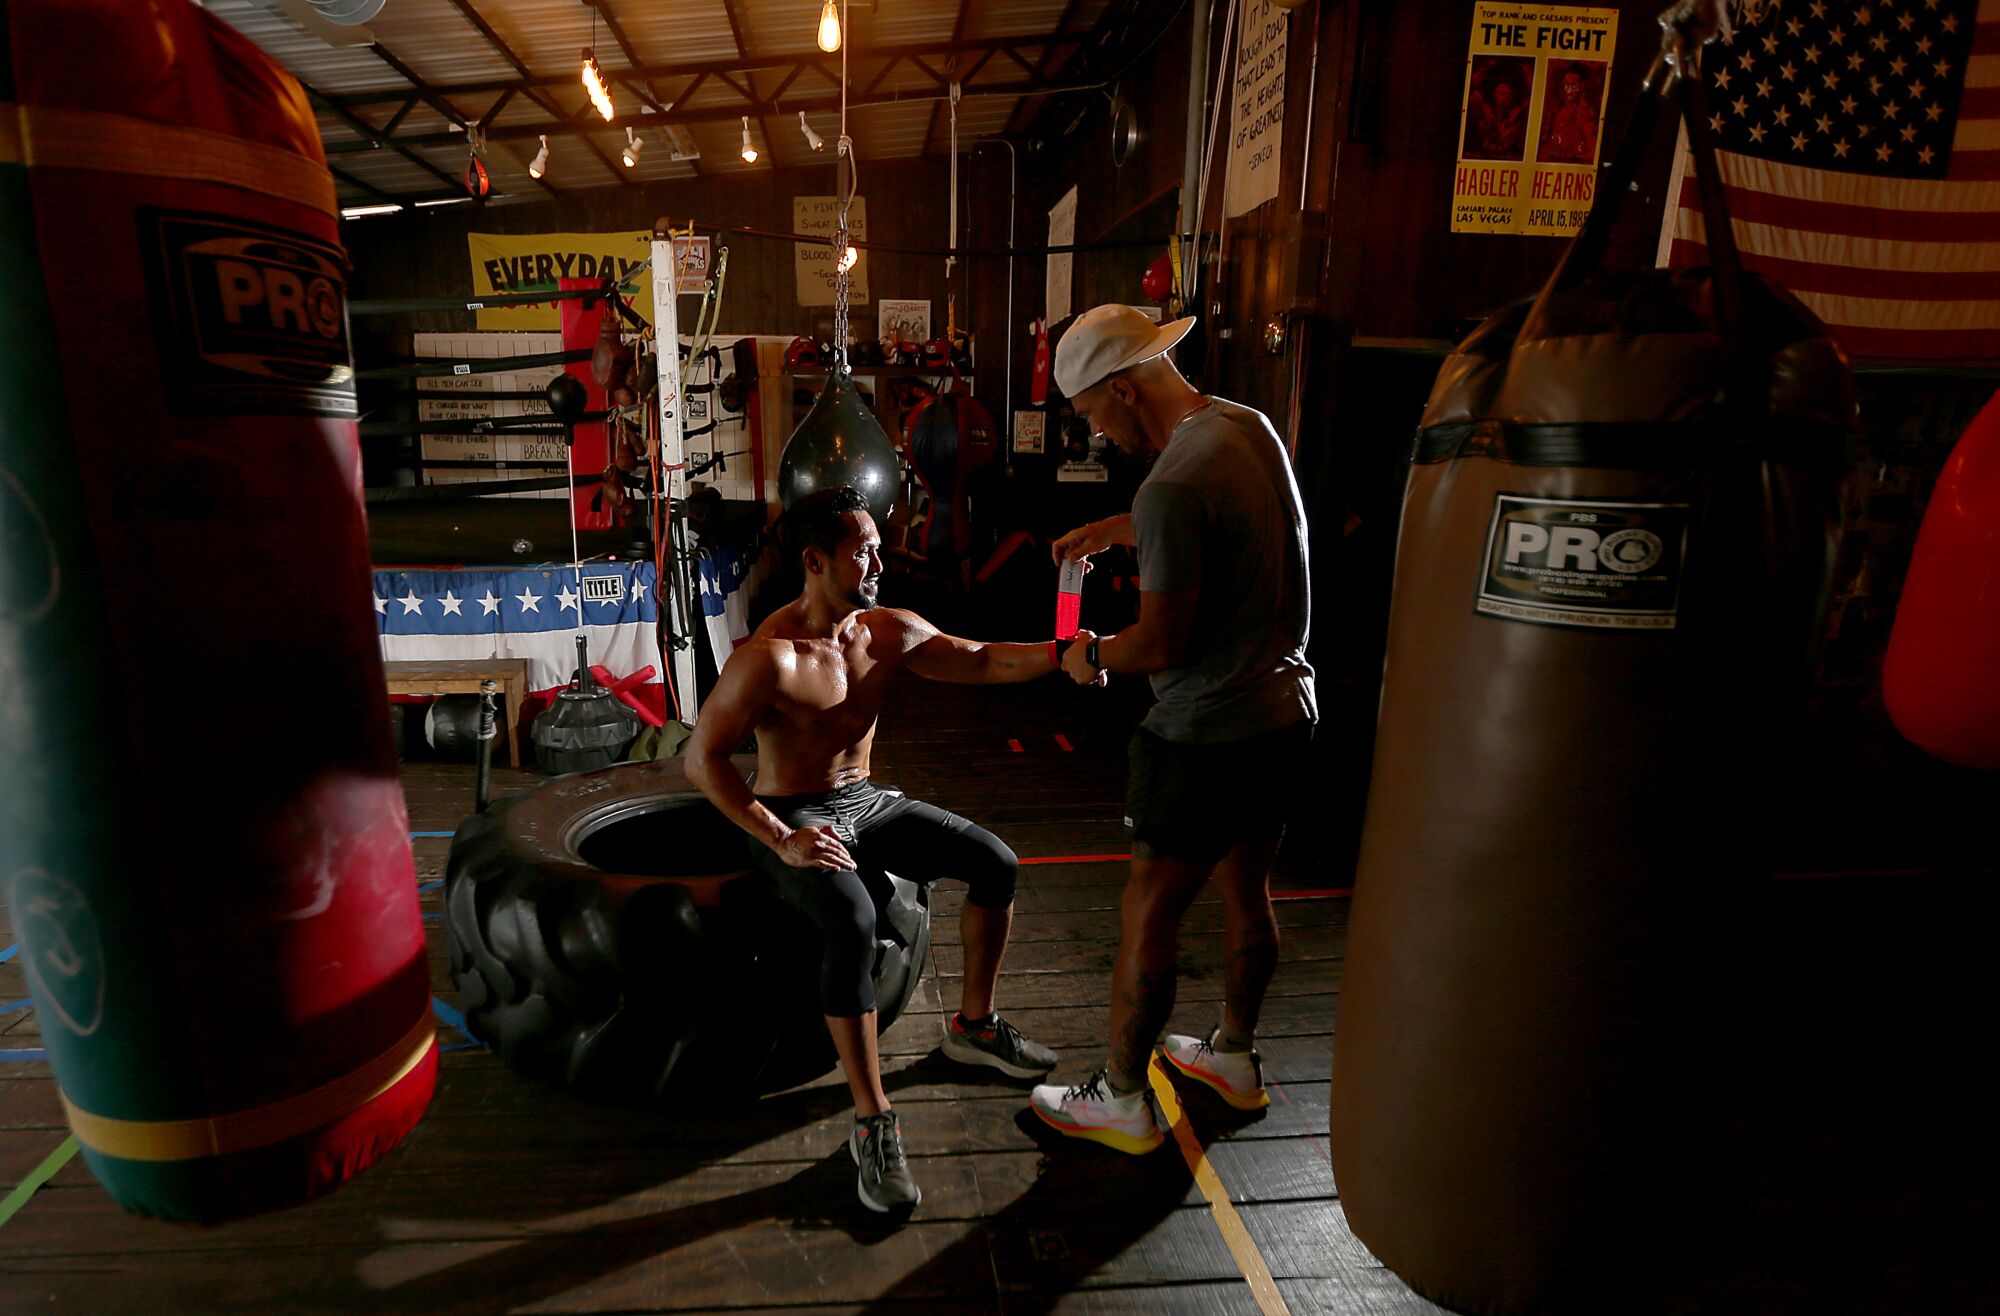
(1531, 118)
(534, 262)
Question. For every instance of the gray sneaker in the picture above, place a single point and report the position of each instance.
(997, 1045)
(885, 1183)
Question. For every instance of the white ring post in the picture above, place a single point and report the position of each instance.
(673, 461)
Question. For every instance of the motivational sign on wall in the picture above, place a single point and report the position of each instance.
(533, 262)
(812, 262)
(1257, 119)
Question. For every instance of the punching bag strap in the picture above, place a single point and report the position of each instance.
(259, 1126)
(1723, 257)
(1686, 28)
(1586, 254)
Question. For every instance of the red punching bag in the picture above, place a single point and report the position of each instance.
(590, 442)
(216, 908)
(1941, 679)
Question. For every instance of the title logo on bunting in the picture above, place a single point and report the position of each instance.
(1532, 117)
(505, 263)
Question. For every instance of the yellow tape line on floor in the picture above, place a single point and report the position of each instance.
(1248, 1259)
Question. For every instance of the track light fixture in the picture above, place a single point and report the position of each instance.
(829, 30)
(813, 139)
(600, 91)
(749, 150)
(540, 164)
(632, 148)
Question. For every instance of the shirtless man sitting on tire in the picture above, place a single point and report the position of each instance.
(810, 684)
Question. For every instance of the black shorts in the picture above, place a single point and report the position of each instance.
(885, 831)
(1196, 802)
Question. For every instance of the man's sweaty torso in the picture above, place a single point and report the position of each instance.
(826, 696)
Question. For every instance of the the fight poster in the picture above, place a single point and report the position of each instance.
(1532, 118)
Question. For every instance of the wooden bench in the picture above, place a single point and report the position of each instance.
(461, 676)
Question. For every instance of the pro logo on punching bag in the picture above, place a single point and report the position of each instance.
(256, 316)
(1584, 562)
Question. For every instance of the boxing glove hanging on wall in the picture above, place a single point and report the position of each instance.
(1607, 581)
(220, 933)
(1941, 677)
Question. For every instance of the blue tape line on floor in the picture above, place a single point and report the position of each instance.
(425, 834)
(10, 953)
(450, 1015)
(21, 1057)
(12, 1006)
(431, 885)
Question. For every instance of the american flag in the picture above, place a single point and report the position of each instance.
(1859, 145)
(533, 614)
(726, 574)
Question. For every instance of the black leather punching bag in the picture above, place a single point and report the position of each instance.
(1615, 551)
(840, 442)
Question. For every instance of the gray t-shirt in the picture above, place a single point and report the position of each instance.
(1221, 513)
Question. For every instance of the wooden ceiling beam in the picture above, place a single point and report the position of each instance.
(707, 114)
(940, 51)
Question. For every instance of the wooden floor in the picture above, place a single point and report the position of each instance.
(513, 1195)
(1856, 1170)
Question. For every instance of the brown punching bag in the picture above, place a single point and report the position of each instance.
(1615, 550)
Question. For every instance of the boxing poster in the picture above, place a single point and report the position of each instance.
(1532, 118)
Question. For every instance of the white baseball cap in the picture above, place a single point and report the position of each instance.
(1107, 339)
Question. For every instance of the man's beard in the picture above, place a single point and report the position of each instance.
(865, 594)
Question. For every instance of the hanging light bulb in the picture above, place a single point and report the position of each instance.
(829, 28)
(540, 164)
(632, 148)
(749, 151)
(849, 257)
(600, 92)
(813, 139)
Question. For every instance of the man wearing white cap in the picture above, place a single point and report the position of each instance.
(1223, 615)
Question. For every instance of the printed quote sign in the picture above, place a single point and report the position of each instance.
(812, 262)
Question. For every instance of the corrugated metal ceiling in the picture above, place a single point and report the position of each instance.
(438, 42)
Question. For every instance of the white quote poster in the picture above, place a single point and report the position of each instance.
(812, 262)
(1062, 232)
(1257, 116)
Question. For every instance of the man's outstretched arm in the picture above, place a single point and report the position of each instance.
(741, 697)
(942, 657)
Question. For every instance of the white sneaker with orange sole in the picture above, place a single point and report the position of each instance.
(1236, 1076)
(1092, 1111)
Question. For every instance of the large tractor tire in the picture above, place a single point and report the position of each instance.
(606, 929)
